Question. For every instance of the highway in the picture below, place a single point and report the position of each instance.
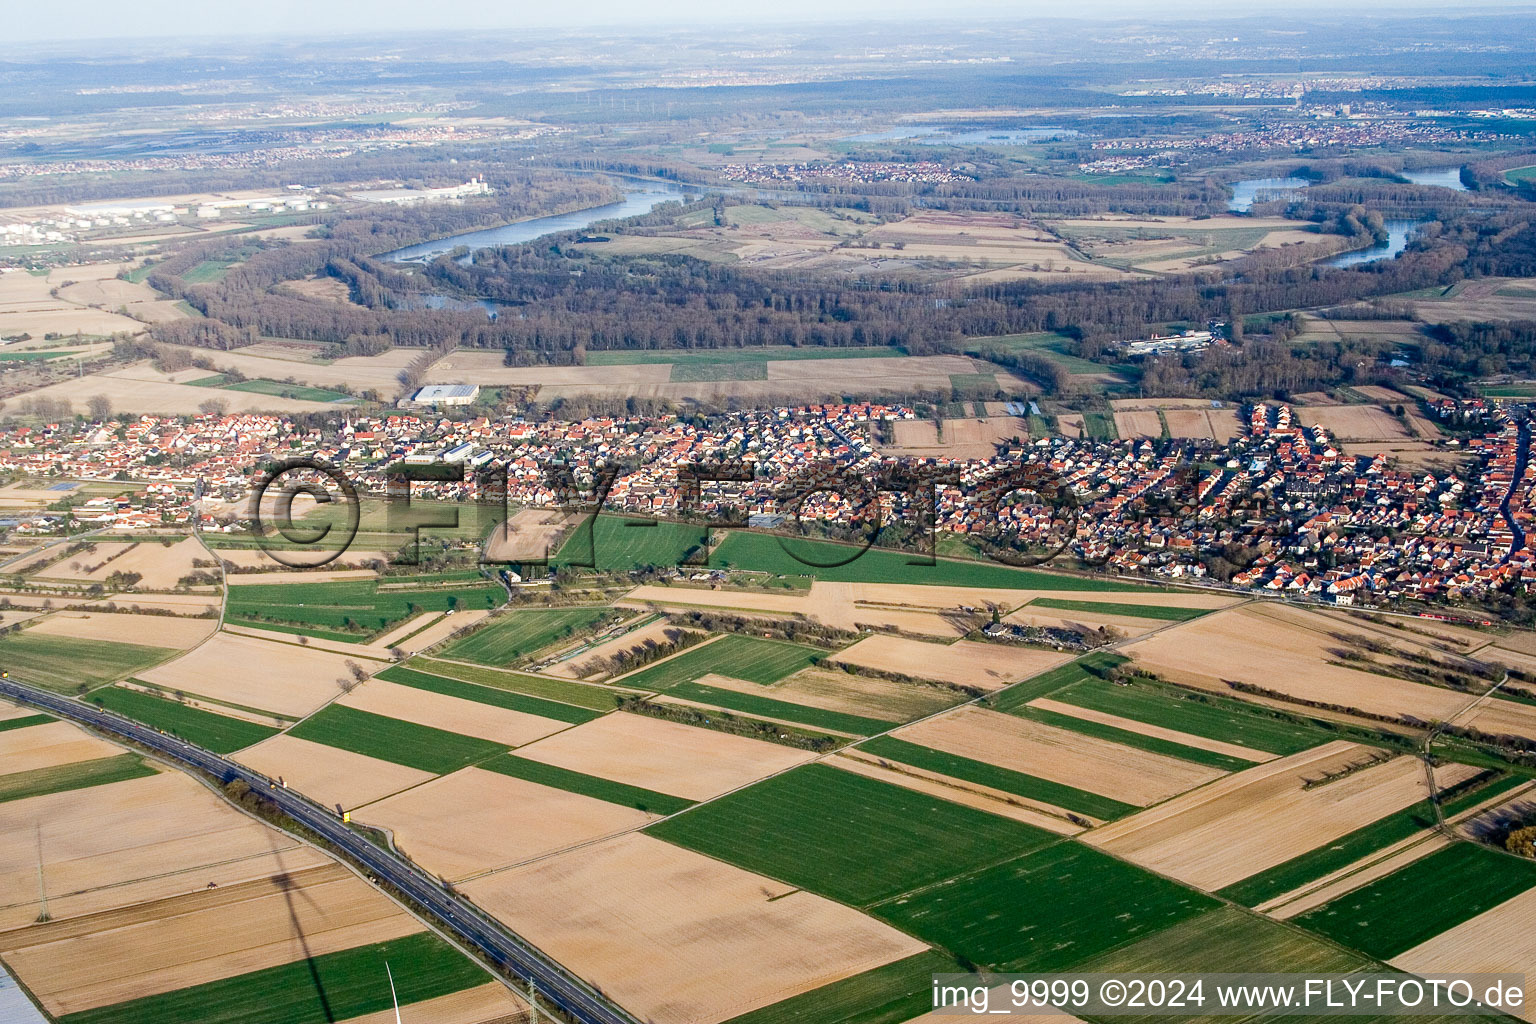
(555, 985)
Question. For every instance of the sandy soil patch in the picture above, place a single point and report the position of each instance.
(1497, 941)
(655, 754)
(1503, 717)
(441, 630)
(289, 576)
(1070, 424)
(48, 745)
(111, 958)
(1283, 649)
(1138, 424)
(327, 774)
(485, 368)
(735, 941)
(985, 798)
(964, 662)
(1377, 393)
(114, 846)
(150, 630)
(247, 558)
(1256, 819)
(854, 694)
(177, 604)
(452, 714)
(959, 439)
(279, 677)
(1144, 729)
(380, 372)
(486, 1004)
(475, 821)
(529, 533)
(851, 370)
(1098, 766)
(367, 655)
(1125, 625)
(1354, 422)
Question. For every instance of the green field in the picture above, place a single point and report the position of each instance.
(1225, 941)
(767, 707)
(737, 657)
(277, 389)
(1417, 902)
(218, 733)
(1035, 687)
(983, 774)
(1045, 911)
(616, 544)
(1519, 174)
(556, 710)
(760, 354)
(587, 785)
(582, 695)
(78, 775)
(1127, 738)
(63, 663)
(1053, 346)
(514, 635)
(1214, 718)
(847, 836)
(391, 739)
(763, 553)
(719, 371)
(327, 987)
(1140, 611)
(29, 357)
(354, 610)
(208, 272)
(890, 994)
(25, 722)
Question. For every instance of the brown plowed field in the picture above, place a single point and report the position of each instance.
(734, 941)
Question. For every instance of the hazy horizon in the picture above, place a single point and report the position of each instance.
(100, 20)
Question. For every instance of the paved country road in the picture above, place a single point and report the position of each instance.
(554, 983)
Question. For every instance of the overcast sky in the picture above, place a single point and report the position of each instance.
(97, 19)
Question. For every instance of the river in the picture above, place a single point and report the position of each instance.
(1398, 234)
(635, 202)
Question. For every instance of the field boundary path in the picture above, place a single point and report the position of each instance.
(504, 949)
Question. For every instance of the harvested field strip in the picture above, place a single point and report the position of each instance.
(217, 733)
(333, 986)
(78, 775)
(890, 994)
(982, 774)
(24, 721)
(1139, 611)
(1216, 718)
(281, 627)
(767, 707)
(847, 836)
(740, 657)
(594, 698)
(515, 635)
(1049, 682)
(390, 739)
(62, 663)
(488, 695)
(1064, 904)
(1429, 896)
(1125, 737)
(1246, 755)
(764, 553)
(646, 800)
(1380, 834)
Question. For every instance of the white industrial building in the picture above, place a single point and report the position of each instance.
(402, 196)
(446, 394)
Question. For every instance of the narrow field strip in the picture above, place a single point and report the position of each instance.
(218, 733)
(586, 785)
(595, 698)
(768, 707)
(391, 739)
(1049, 682)
(482, 694)
(1138, 611)
(1129, 738)
(24, 722)
(1029, 787)
(79, 775)
(740, 657)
